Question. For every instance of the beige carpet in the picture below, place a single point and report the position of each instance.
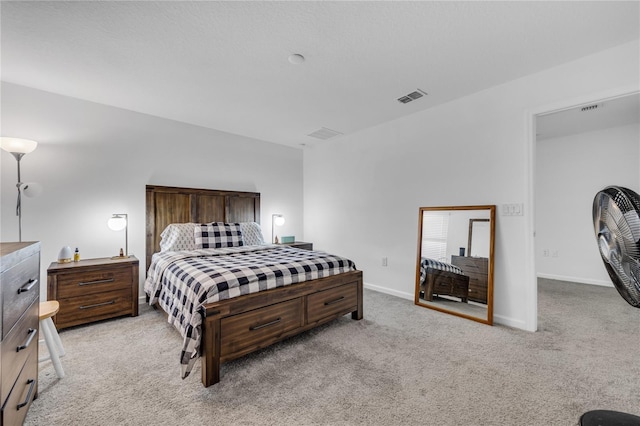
(401, 365)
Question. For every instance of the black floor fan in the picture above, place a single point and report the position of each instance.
(616, 220)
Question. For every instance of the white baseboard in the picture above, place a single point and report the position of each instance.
(580, 280)
(401, 294)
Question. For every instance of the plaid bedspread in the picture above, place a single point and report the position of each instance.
(434, 264)
(181, 282)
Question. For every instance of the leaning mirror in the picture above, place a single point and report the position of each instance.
(454, 268)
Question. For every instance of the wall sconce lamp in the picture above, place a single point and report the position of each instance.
(276, 220)
(19, 148)
(118, 222)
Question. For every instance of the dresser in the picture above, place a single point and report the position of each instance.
(93, 290)
(299, 244)
(477, 269)
(19, 301)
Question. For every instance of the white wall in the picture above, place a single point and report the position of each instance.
(362, 191)
(94, 160)
(569, 172)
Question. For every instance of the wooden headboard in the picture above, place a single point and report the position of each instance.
(167, 204)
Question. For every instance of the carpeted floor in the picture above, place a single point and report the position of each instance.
(401, 365)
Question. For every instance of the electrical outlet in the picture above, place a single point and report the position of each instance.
(384, 261)
(545, 253)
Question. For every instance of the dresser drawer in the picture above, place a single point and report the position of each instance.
(478, 291)
(22, 394)
(93, 307)
(260, 327)
(19, 286)
(17, 346)
(92, 282)
(332, 302)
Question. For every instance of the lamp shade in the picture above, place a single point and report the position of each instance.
(17, 145)
(278, 220)
(31, 189)
(117, 222)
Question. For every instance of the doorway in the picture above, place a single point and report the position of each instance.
(575, 150)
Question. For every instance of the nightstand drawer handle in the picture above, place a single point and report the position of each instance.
(334, 301)
(258, 327)
(111, 302)
(28, 286)
(109, 280)
(25, 345)
(32, 383)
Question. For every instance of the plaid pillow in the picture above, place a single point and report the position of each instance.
(218, 235)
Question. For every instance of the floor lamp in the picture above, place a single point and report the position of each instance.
(19, 148)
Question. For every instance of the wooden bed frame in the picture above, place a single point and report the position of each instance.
(445, 283)
(235, 327)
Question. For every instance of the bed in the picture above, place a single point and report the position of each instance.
(442, 279)
(250, 311)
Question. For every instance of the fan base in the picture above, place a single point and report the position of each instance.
(608, 418)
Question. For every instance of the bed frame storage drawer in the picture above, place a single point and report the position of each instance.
(332, 302)
(445, 283)
(260, 327)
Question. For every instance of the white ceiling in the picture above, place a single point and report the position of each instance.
(223, 65)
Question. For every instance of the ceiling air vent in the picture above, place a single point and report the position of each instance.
(591, 107)
(324, 133)
(412, 96)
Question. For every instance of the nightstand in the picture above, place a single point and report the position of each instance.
(299, 244)
(93, 289)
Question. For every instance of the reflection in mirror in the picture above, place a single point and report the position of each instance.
(454, 268)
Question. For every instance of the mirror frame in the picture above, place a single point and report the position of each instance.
(492, 220)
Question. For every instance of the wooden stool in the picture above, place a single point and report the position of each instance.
(51, 337)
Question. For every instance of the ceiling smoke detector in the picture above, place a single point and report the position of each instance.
(591, 107)
(412, 96)
(324, 133)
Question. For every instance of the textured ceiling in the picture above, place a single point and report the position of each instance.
(223, 65)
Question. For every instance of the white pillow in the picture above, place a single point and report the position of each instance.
(180, 236)
(251, 233)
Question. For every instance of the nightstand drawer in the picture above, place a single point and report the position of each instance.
(21, 342)
(331, 302)
(92, 282)
(93, 307)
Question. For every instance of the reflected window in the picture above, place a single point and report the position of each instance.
(434, 237)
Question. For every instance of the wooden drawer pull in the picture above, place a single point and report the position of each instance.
(258, 327)
(25, 345)
(111, 302)
(28, 286)
(31, 383)
(109, 280)
(334, 301)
